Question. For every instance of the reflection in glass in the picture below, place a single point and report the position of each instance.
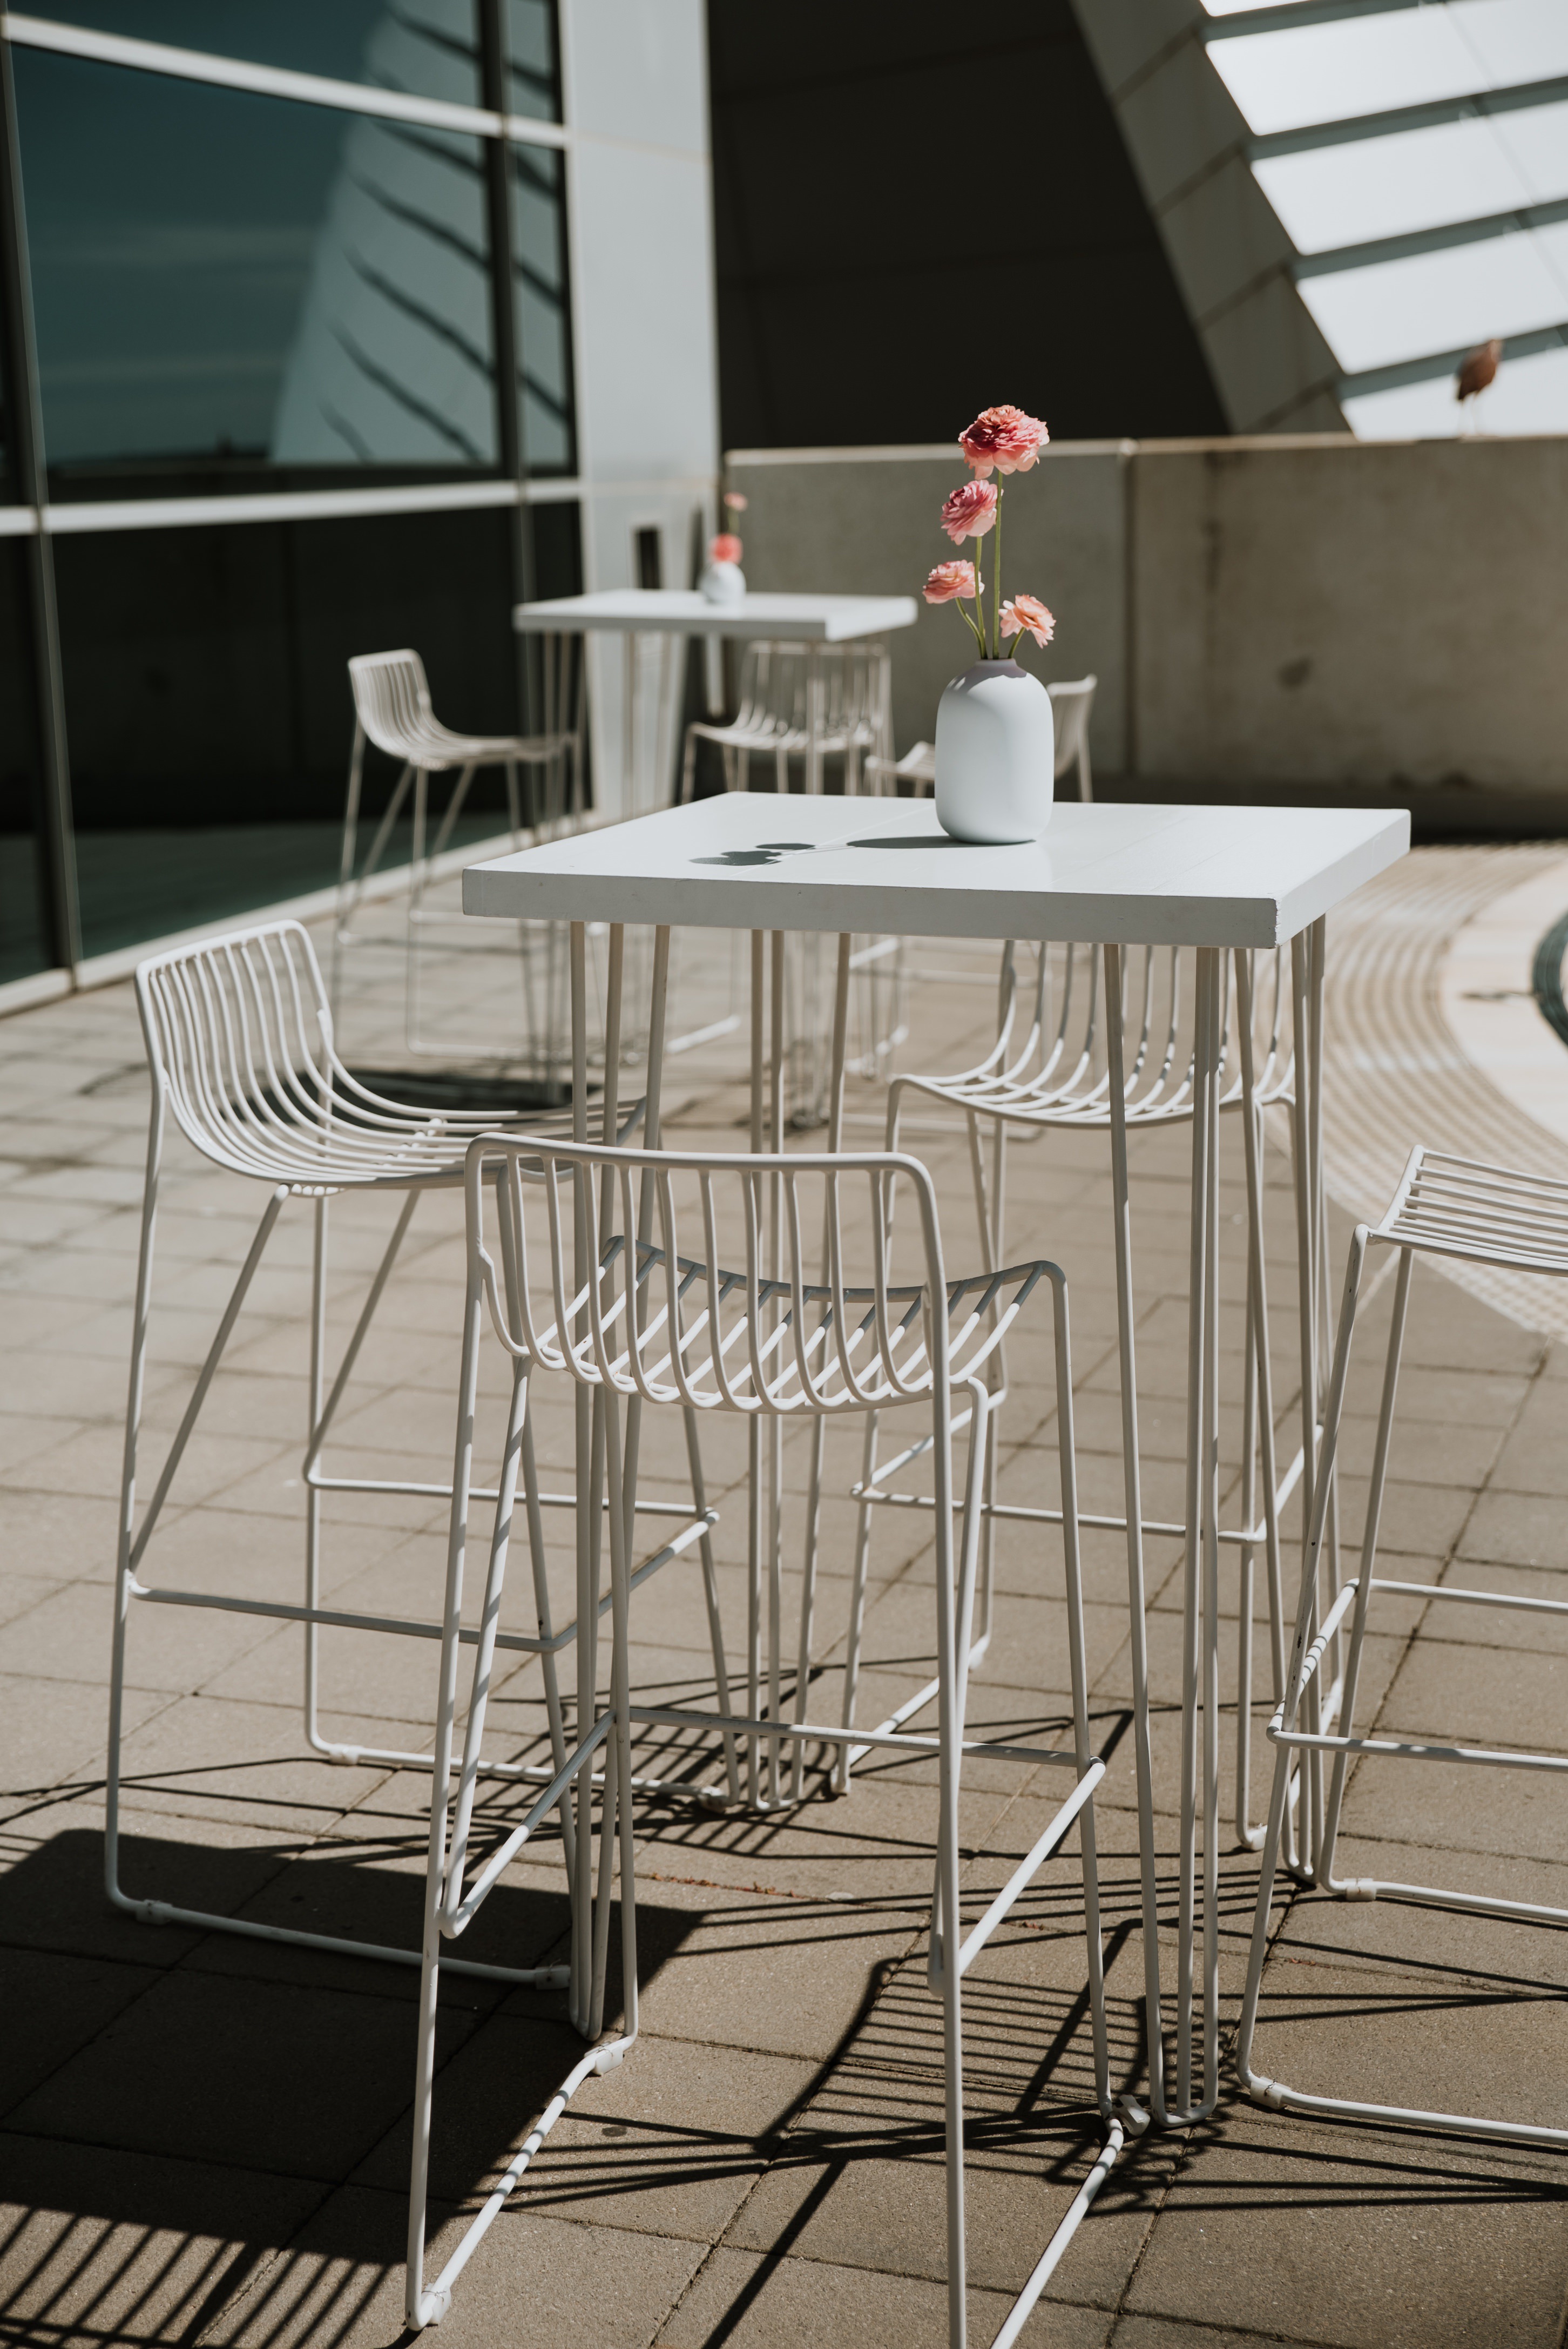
(223, 276)
(534, 59)
(543, 311)
(207, 697)
(24, 942)
(425, 47)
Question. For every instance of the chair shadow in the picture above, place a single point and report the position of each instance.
(179, 2107)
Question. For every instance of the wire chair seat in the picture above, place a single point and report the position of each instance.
(1059, 1074)
(685, 1350)
(775, 719)
(254, 1090)
(1464, 1208)
(392, 703)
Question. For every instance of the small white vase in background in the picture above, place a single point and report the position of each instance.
(723, 583)
(995, 764)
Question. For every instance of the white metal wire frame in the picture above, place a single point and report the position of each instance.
(1444, 1207)
(393, 710)
(800, 701)
(1050, 1068)
(240, 1047)
(597, 1285)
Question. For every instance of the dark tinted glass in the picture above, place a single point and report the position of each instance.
(23, 943)
(220, 277)
(207, 703)
(426, 46)
(543, 315)
(534, 59)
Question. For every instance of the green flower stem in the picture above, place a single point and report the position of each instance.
(996, 582)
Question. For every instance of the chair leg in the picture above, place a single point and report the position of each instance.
(423, 2308)
(513, 802)
(1368, 1559)
(346, 860)
(951, 1680)
(123, 1570)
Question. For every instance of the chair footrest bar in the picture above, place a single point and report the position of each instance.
(1279, 2098)
(482, 1493)
(745, 1726)
(975, 1940)
(163, 1912)
(1018, 2315)
(1406, 1750)
(1433, 1896)
(435, 2303)
(1474, 1598)
(454, 1920)
(1242, 1538)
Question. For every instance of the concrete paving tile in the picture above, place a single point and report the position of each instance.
(343, 2280)
(1159, 2332)
(69, 1386)
(1449, 1330)
(63, 2001)
(209, 1757)
(99, 2249)
(167, 1648)
(52, 1896)
(1425, 1518)
(753, 2302)
(1518, 1529)
(54, 1730)
(92, 1460)
(1478, 1696)
(1535, 1459)
(1447, 1944)
(1456, 1400)
(192, 2072)
(1355, 2237)
(1516, 1812)
(669, 2144)
(26, 1435)
(21, 1592)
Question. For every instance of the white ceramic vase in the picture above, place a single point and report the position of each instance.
(723, 583)
(995, 764)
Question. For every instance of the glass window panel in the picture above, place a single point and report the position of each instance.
(1441, 301)
(543, 311)
(208, 706)
(1528, 396)
(425, 47)
(1406, 56)
(1390, 187)
(231, 279)
(24, 937)
(534, 59)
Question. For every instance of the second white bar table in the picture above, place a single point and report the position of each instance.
(1216, 879)
(670, 616)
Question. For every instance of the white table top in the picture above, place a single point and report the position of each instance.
(680, 611)
(1108, 873)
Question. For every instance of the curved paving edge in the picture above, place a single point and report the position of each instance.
(1413, 1012)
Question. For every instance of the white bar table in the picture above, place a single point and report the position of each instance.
(1220, 880)
(670, 616)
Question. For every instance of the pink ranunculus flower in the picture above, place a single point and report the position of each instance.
(1026, 612)
(735, 501)
(950, 580)
(725, 548)
(1003, 439)
(970, 511)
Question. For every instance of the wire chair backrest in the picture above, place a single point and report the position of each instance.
(702, 1279)
(1071, 704)
(776, 677)
(239, 1042)
(1051, 1054)
(391, 700)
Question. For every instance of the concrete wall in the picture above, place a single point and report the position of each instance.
(1314, 611)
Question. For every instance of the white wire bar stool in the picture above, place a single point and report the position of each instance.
(393, 712)
(1060, 1061)
(240, 1047)
(597, 1284)
(1444, 1207)
(1049, 1068)
(1072, 706)
(805, 704)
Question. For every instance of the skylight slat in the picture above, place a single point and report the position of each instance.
(1466, 293)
